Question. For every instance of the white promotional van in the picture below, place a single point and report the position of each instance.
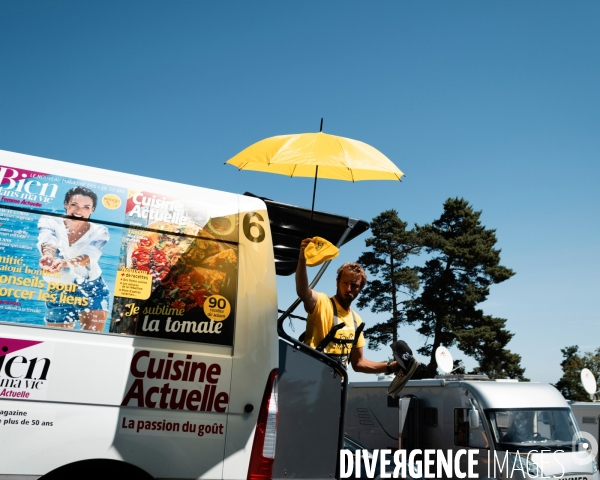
(137, 326)
(139, 331)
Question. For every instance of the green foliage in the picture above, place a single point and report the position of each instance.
(457, 277)
(391, 246)
(463, 265)
(486, 341)
(569, 384)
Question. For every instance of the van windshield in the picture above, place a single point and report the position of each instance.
(529, 429)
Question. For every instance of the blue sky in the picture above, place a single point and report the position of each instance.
(496, 102)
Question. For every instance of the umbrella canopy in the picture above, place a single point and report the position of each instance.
(317, 155)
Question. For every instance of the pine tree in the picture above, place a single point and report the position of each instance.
(457, 277)
(569, 384)
(391, 246)
(485, 340)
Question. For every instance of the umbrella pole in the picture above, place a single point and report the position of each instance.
(312, 211)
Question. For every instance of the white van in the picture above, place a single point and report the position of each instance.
(518, 429)
(139, 331)
(137, 326)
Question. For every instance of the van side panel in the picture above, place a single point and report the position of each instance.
(255, 349)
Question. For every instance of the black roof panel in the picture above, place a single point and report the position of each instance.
(290, 224)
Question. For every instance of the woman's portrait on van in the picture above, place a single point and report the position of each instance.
(70, 247)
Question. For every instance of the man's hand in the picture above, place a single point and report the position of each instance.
(303, 245)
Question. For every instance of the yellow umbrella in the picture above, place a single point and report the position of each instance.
(317, 155)
(302, 155)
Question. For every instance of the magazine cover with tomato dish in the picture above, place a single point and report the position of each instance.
(178, 270)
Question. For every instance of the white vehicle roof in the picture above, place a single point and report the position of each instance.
(516, 395)
(490, 393)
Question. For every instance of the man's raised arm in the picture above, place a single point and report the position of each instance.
(307, 295)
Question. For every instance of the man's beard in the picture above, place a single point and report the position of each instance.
(346, 298)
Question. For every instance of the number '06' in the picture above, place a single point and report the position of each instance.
(251, 219)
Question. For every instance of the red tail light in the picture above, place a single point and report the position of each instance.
(263, 448)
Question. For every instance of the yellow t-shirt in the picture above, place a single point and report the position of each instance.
(320, 322)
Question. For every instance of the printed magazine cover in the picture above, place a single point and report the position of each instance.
(83, 255)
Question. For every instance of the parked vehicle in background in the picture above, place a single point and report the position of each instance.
(509, 423)
(588, 418)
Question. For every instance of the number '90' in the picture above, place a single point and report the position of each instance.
(217, 303)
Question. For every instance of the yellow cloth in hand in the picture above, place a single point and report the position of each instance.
(319, 251)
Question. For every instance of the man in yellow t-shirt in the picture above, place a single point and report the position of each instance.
(322, 311)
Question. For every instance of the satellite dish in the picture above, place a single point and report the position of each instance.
(588, 381)
(444, 359)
